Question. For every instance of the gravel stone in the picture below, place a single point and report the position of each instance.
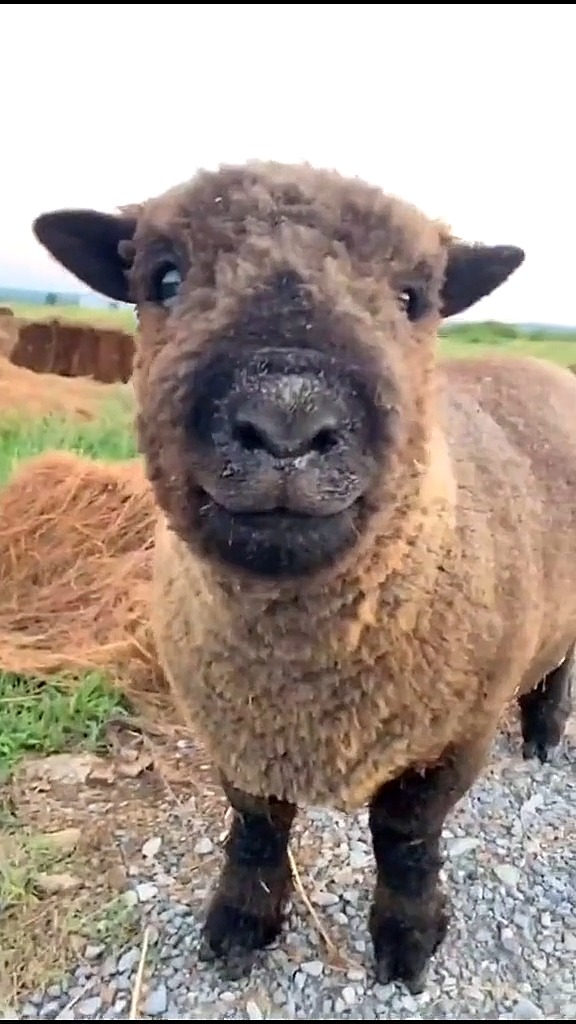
(349, 995)
(510, 871)
(204, 846)
(89, 1007)
(146, 891)
(324, 899)
(253, 1010)
(151, 847)
(507, 874)
(93, 950)
(128, 960)
(525, 1009)
(157, 1001)
(312, 967)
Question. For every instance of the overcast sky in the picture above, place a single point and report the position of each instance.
(467, 110)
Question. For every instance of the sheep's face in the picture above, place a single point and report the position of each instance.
(283, 436)
(287, 327)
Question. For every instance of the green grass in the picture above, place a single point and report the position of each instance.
(121, 318)
(52, 717)
(470, 340)
(111, 437)
(556, 350)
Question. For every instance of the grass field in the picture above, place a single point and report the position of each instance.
(122, 318)
(470, 340)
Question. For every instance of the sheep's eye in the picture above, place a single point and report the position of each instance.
(165, 285)
(410, 301)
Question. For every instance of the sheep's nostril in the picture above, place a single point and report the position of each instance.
(249, 436)
(282, 433)
(324, 441)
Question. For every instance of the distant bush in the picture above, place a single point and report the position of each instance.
(482, 332)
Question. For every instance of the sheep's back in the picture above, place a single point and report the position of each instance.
(511, 426)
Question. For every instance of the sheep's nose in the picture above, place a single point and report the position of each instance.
(284, 429)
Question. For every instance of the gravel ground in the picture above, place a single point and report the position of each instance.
(510, 954)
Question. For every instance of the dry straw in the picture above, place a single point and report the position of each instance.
(76, 540)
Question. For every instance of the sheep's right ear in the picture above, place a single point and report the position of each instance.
(88, 244)
(474, 271)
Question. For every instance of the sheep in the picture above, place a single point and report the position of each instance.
(363, 553)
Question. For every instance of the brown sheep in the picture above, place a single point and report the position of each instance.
(362, 555)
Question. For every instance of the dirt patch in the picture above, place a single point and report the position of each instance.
(64, 880)
(26, 393)
(75, 350)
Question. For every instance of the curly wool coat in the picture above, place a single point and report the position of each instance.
(461, 595)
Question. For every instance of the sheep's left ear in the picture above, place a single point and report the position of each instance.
(473, 271)
(88, 244)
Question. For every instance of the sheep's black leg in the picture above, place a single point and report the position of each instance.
(246, 910)
(545, 711)
(409, 914)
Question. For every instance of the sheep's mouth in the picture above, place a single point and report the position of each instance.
(274, 518)
(279, 542)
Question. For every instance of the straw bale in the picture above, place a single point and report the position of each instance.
(72, 350)
(76, 540)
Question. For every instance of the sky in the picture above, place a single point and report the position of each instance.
(466, 110)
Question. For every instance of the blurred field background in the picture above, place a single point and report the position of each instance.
(457, 339)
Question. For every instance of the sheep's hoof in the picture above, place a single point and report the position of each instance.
(234, 935)
(403, 950)
(531, 748)
(545, 711)
(545, 737)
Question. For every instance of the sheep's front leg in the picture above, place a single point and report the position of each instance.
(246, 910)
(409, 914)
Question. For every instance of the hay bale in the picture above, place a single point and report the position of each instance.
(75, 568)
(115, 356)
(74, 350)
(33, 347)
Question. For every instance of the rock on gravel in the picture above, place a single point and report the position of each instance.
(510, 953)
